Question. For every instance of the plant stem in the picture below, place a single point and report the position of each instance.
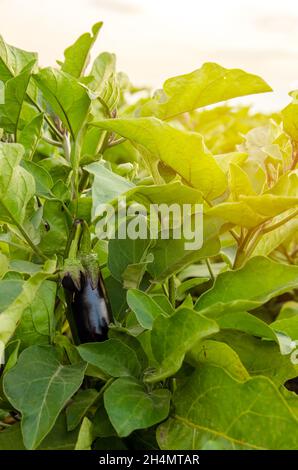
(35, 248)
(210, 269)
(116, 142)
(172, 290)
(50, 141)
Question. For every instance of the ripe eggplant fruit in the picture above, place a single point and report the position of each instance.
(90, 310)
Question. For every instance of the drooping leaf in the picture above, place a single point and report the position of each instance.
(68, 98)
(40, 392)
(15, 92)
(11, 316)
(242, 290)
(17, 186)
(208, 85)
(183, 151)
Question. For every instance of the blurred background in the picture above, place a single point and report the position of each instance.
(156, 39)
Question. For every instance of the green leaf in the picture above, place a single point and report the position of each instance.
(77, 56)
(289, 116)
(9, 291)
(103, 69)
(130, 406)
(13, 60)
(85, 436)
(211, 405)
(15, 92)
(144, 307)
(259, 357)
(17, 186)
(37, 323)
(208, 85)
(248, 323)
(124, 252)
(217, 353)
(106, 185)
(43, 180)
(11, 316)
(68, 98)
(54, 236)
(112, 356)
(183, 151)
(57, 439)
(171, 255)
(79, 406)
(242, 290)
(30, 135)
(172, 337)
(40, 392)
(288, 326)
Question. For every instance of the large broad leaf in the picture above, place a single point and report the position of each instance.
(17, 186)
(242, 290)
(112, 356)
(15, 92)
(131, 406)
(13, 60)
(212, 407)
(207, 85)
(40, 392)
(77, 55)
(259, 357)
(11, 316)
(172, 337)
(183, 151)
(68, 98)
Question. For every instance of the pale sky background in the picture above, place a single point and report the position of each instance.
(156, 39)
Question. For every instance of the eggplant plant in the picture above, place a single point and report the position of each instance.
(137, 342)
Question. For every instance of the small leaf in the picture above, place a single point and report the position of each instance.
(112, 356)
(130, 406)
(77, 55)
(144, 307)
